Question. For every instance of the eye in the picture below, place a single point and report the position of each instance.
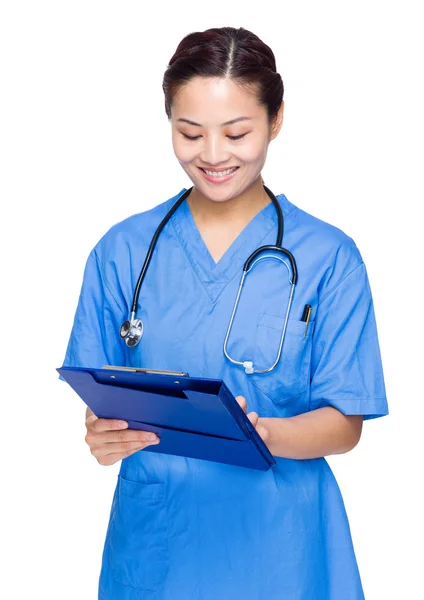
(233, 138)
(237, 137)
(191, 137)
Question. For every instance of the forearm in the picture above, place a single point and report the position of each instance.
(314, 434)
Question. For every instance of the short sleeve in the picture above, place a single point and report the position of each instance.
(346, 368)
(94, 339)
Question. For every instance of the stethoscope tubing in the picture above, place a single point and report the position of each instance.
(169, 214)
(132, 330)
(152, 246)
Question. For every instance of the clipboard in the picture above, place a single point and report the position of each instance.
(194, 417)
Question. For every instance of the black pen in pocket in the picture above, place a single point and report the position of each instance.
(306, 317)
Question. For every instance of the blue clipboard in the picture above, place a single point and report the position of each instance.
(194, 417)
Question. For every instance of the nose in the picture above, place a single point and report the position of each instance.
(214, 150)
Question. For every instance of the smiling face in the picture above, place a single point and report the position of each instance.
(220, 136)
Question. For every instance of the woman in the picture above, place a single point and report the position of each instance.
(191, 529)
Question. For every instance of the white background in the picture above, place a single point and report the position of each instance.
(85, 142)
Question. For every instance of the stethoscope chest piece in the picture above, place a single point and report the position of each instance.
(131, 332)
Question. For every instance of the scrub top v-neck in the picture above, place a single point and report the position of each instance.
(199, 530)
(215, 275)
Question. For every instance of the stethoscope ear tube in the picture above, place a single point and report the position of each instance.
(287, 253)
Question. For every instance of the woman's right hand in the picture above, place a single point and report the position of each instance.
(110, 440)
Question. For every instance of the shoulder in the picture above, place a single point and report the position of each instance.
(325, 248)
(136, 231)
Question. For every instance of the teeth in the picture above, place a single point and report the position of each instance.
(220, 173)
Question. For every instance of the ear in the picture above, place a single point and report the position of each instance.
(277, 122)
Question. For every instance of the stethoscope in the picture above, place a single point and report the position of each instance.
(132, 330)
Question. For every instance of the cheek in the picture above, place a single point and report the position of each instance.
(252, 153)
(249, 157)
(184, 152)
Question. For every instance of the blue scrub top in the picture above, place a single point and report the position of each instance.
(189, 529)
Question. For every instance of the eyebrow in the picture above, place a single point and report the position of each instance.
(222, 124)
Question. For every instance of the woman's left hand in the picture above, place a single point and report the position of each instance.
(253, 418)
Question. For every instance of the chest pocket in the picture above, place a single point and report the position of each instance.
(291, 377)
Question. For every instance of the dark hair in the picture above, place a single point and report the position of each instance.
(226, 52)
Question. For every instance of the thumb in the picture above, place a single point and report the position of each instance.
(253, 418)
(242, 401)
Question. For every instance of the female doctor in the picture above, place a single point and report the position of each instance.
(188, 529)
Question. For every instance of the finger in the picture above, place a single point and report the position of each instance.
(99, 450)
(107, 424)
(263, 432)
(111, 459)
(242, 401)
(89, 420)
(124, 435)
(253, 418)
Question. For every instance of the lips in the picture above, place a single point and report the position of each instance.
(218, 176)
(219, 172)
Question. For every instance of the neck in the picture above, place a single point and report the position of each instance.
(242, 208)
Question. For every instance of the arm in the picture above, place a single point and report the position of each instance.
(321, 432)
(94, 342)
(314, 434)
(347, 384)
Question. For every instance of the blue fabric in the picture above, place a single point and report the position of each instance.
(195, 530)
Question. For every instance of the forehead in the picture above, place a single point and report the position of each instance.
(206, 99)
